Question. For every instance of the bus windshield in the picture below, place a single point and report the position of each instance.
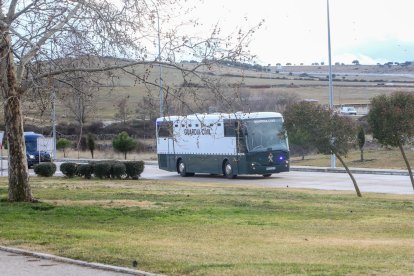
(265, 134)
(31, 146)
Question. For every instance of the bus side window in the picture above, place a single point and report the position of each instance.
(165, 129)
(229, 128)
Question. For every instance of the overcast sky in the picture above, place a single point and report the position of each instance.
(295, 31)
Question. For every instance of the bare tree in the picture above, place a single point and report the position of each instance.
(38, 39)
(78, 98)
(123, 111)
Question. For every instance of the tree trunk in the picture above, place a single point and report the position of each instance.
(350, 174)
(410, 172)
(362, 155)
(125, 154)
(19, 188)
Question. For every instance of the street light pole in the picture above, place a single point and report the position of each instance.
(54, 122)
(333, 158)
(160, 65)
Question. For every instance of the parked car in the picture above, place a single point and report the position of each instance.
(33, 155)
(348, 110)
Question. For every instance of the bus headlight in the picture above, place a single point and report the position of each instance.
(31, 156)
(253, 166)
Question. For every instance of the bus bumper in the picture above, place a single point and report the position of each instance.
(255, 168)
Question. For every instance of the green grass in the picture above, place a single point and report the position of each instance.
(194, 228)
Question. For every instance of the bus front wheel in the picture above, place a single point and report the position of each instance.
(267, 175)
(228, 170)
(182, 169)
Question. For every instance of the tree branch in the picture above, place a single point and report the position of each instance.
(13, 16)
(12, 10)
(27, 57)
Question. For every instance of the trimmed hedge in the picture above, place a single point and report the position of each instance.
(45, 169)
(102, 169)
(85, 170)
(134, 168)
(68, 169)
(118, 170)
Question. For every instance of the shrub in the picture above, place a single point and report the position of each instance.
(85, 170)
(102, 169)
(95, 127)
(63, 144)
(123, 143)
(45, 169)
(118, 170)
(68, 169)
(91, 143)
(83, 146)
(134, 168)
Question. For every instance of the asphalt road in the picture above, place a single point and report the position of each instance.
(377, 183)
(374, 182)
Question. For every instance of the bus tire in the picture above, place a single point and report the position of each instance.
(228, 170)
(267, 175)
(182, 169)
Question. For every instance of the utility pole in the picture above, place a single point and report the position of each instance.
(54, 122)
(160, 65)
(331, 107)
(53, 100)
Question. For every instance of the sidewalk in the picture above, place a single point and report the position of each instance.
(353, 170)
(18, 262)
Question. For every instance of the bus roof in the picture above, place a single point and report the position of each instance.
(218, 116)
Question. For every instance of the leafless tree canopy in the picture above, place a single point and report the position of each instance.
(40, 40)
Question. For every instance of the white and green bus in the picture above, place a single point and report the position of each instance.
(228, 144)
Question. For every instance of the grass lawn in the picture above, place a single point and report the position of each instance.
(190, 228)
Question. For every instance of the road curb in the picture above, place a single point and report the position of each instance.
(76, 262)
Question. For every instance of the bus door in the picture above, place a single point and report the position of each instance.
(165, 144)
(240, 130)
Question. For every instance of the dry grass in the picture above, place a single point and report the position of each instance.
(103, 203)
(374, 158)
(344, 92)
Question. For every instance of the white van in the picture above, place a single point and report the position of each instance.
(348, 110)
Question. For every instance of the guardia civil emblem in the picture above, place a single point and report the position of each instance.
(270, 157)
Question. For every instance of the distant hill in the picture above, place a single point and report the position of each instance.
(353, 84)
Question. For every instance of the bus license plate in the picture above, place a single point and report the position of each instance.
(270, 168)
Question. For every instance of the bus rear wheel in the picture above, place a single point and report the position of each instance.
(267, 175)
(228, 170)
